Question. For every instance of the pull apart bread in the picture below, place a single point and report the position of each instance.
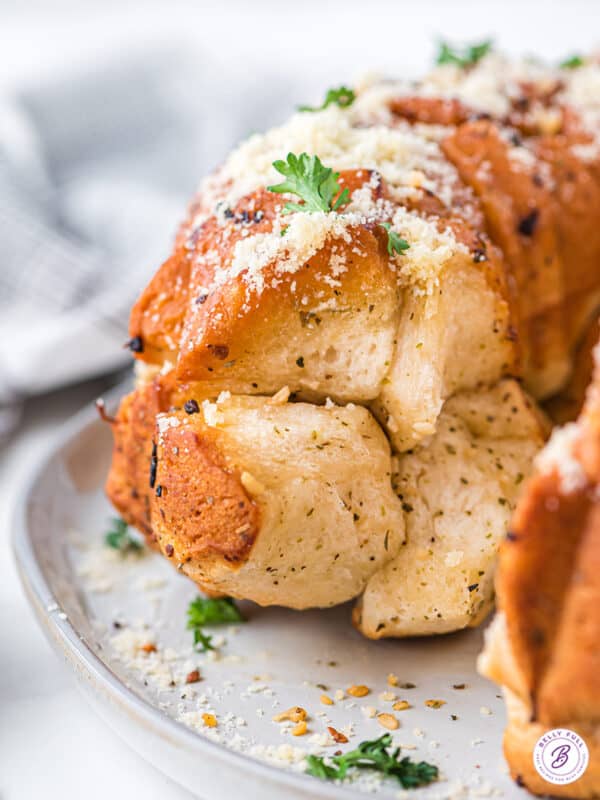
(335, 385)
(543, 645)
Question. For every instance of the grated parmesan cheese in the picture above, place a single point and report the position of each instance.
(558, 455)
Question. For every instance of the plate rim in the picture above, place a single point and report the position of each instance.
(65, 639)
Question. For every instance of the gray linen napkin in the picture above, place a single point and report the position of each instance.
(95, 170)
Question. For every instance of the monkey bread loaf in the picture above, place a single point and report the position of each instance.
(340, 363)
(543, 646)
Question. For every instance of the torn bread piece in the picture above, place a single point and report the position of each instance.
(280, 503)
(457, 491)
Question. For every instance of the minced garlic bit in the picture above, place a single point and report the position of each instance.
(548, 120)
(358, 691)
(299, 729)
(209, 720)
(281, 397)
(388, 721)
(251, 484)
(326, 700)
(387, 697)
(369, 711)
(339, 694)
(293, 714)
(401, 705)
(435, 703)
(392, 679)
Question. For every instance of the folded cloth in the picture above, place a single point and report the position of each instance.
(95, 169)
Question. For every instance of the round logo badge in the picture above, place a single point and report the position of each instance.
(560, 756)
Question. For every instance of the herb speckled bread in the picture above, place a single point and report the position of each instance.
(372, 279)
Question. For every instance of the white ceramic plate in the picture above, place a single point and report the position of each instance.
(279, 658)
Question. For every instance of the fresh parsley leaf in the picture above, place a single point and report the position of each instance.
(375, 754)
(203, 641)
(119, 538)
(318, 768)
(315, 184)
(572, 62)
(213, 611)
(342, 97)
(210, 611)
(465, 57)
(395, 243)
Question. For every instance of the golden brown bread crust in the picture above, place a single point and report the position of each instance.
(576, 646)
(567, 404)
(204, 508)
(338, 331)
(431, 110)
(575, 184)
(157, 317)
(544, 645)
(495, 283)
(128, 485)
(539, 217)
(216, 332)
(536, 573)
(521, 215)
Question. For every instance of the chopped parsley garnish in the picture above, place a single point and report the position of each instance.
(203, 641)
(119, 538)
(465, 57)
(395, 243)
(342, 97)
(375, 755)
(210, 611)
(315, 184)
(572, 62)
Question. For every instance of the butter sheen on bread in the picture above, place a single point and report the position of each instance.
(329, 375)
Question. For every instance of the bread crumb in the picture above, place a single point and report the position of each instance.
(388, 721)
(280, 398)
(251, 484)
(359, 690)
(299, 729)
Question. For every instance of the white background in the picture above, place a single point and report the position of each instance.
(51, 745)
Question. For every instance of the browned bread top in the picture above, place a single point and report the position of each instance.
(501, 152)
